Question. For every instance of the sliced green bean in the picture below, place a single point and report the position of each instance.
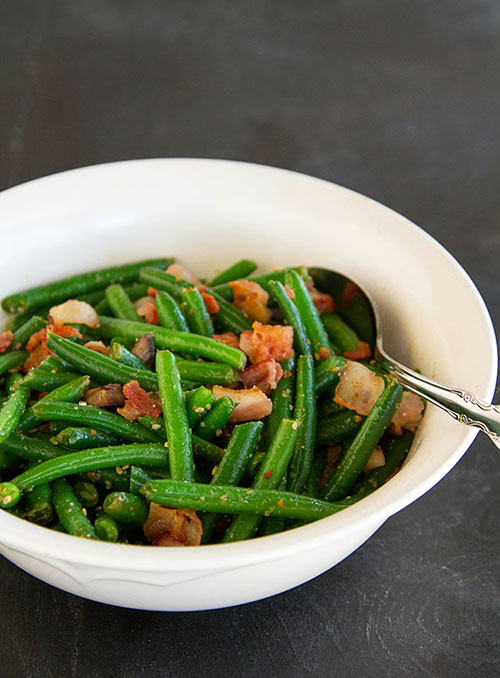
(23, 333)
(29, 449)
(11, 380)
(310, 316)
(11, 412)
(169, 313)
(268, 477)
(301, 341)
(196, 312)
(86, 493)
(305, 413)
(339, 332)
(39, 507)
(282, 398)
(206, 450)
(69, 510)
(69, 393)
(198, 403)
(328, 407)
(106, 528)
(241, 269)
(8, 462)
(126, 508)
(66, 288)
(120, 304)
(176, 420)
(111, 478)
(238, 500)
(337, 427)
(395, 453)
(327, 373)
(134, 292)
(213, 422)
(83, 437)
(183, 342)
(227, 292)
(272, 524)
(95, 417)
(44, 380)
(356, 456)
(206, 372)
(11, 360)
(164, 281)
(121, 353)
(229, 318)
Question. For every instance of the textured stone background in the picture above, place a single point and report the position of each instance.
(398, 99)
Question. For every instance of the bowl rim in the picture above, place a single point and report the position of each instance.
(368, 514)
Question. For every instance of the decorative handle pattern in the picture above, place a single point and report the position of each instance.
(462, 405)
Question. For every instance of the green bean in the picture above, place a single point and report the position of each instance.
(95, 417)
(229, 318)
(29, 449)
(134, 292)
(282, 399)
(69, 511)
(53, 293)
(11, 412)
(83, 437)
(310, 316)
(206, 372)
(86, 493)
(23, 333)
(126, 508)
(110, 478)
(138, 478)
(176, 421)
(327, 373)
(305, 413)
(227, 292)
(312, 487)
(268, 477)
(10, 495)
(339, 332)
(69, 393)
(355, 458)
(196, 312)
(106, 528)
(394, 453)
(120, 353)
(43, 380)
(241, 269)
(206, 450)
(11, 360)
(198, 403)
(169, 313)
(238, 500)
(337, 427)
(328, 407)
(99, 366)
(359, 315)
(191, 344)
(39, 507)
(164, 281)
(11, 380)
(272, 524)
(8, 462)
(53, 364)
(214, 421)
(120, 304)
(292, 317)
(232, 465)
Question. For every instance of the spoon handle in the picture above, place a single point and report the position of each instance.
(462, 405)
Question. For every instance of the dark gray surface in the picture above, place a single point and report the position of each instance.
(397, 99)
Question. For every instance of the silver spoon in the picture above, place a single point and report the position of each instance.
(364, 317)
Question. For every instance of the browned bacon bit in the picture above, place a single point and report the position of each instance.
(252, 299)
(182, 273)
(324, 353)
(144, 349)
(251, 403)
(145, 307)
(141, 401)
(40, 337)
(152, 292)
(74, 311)
(66, 331)
(5, 340)
(408, 414)
(110, 395)
(36, 339)
(228, 338)
(36, 357)
(166, 526)
(265, 375)
(361, 351)
(268, 474)
(323, 302)
(129, 412)
(210, 303)
(97, 346)
(267, 341)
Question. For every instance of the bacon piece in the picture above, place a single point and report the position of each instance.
(210, 303)
(36, 357)
(166, 526)
(129, 412)
(252, 299)
(361, 351)
(109, 395)
(36, 339)
(65, 331)
(144, 349)
(228, 338)
(145, 307)
(323, 302)
(152, 292)
(375, 460)
(74, 311)
(251, 403)
(97, 346)
(264, 375)
(140, 401)
(182, 273)
(5, 340)
(359, 388)
(267, 341)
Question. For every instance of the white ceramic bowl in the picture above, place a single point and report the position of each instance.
(209, 213)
